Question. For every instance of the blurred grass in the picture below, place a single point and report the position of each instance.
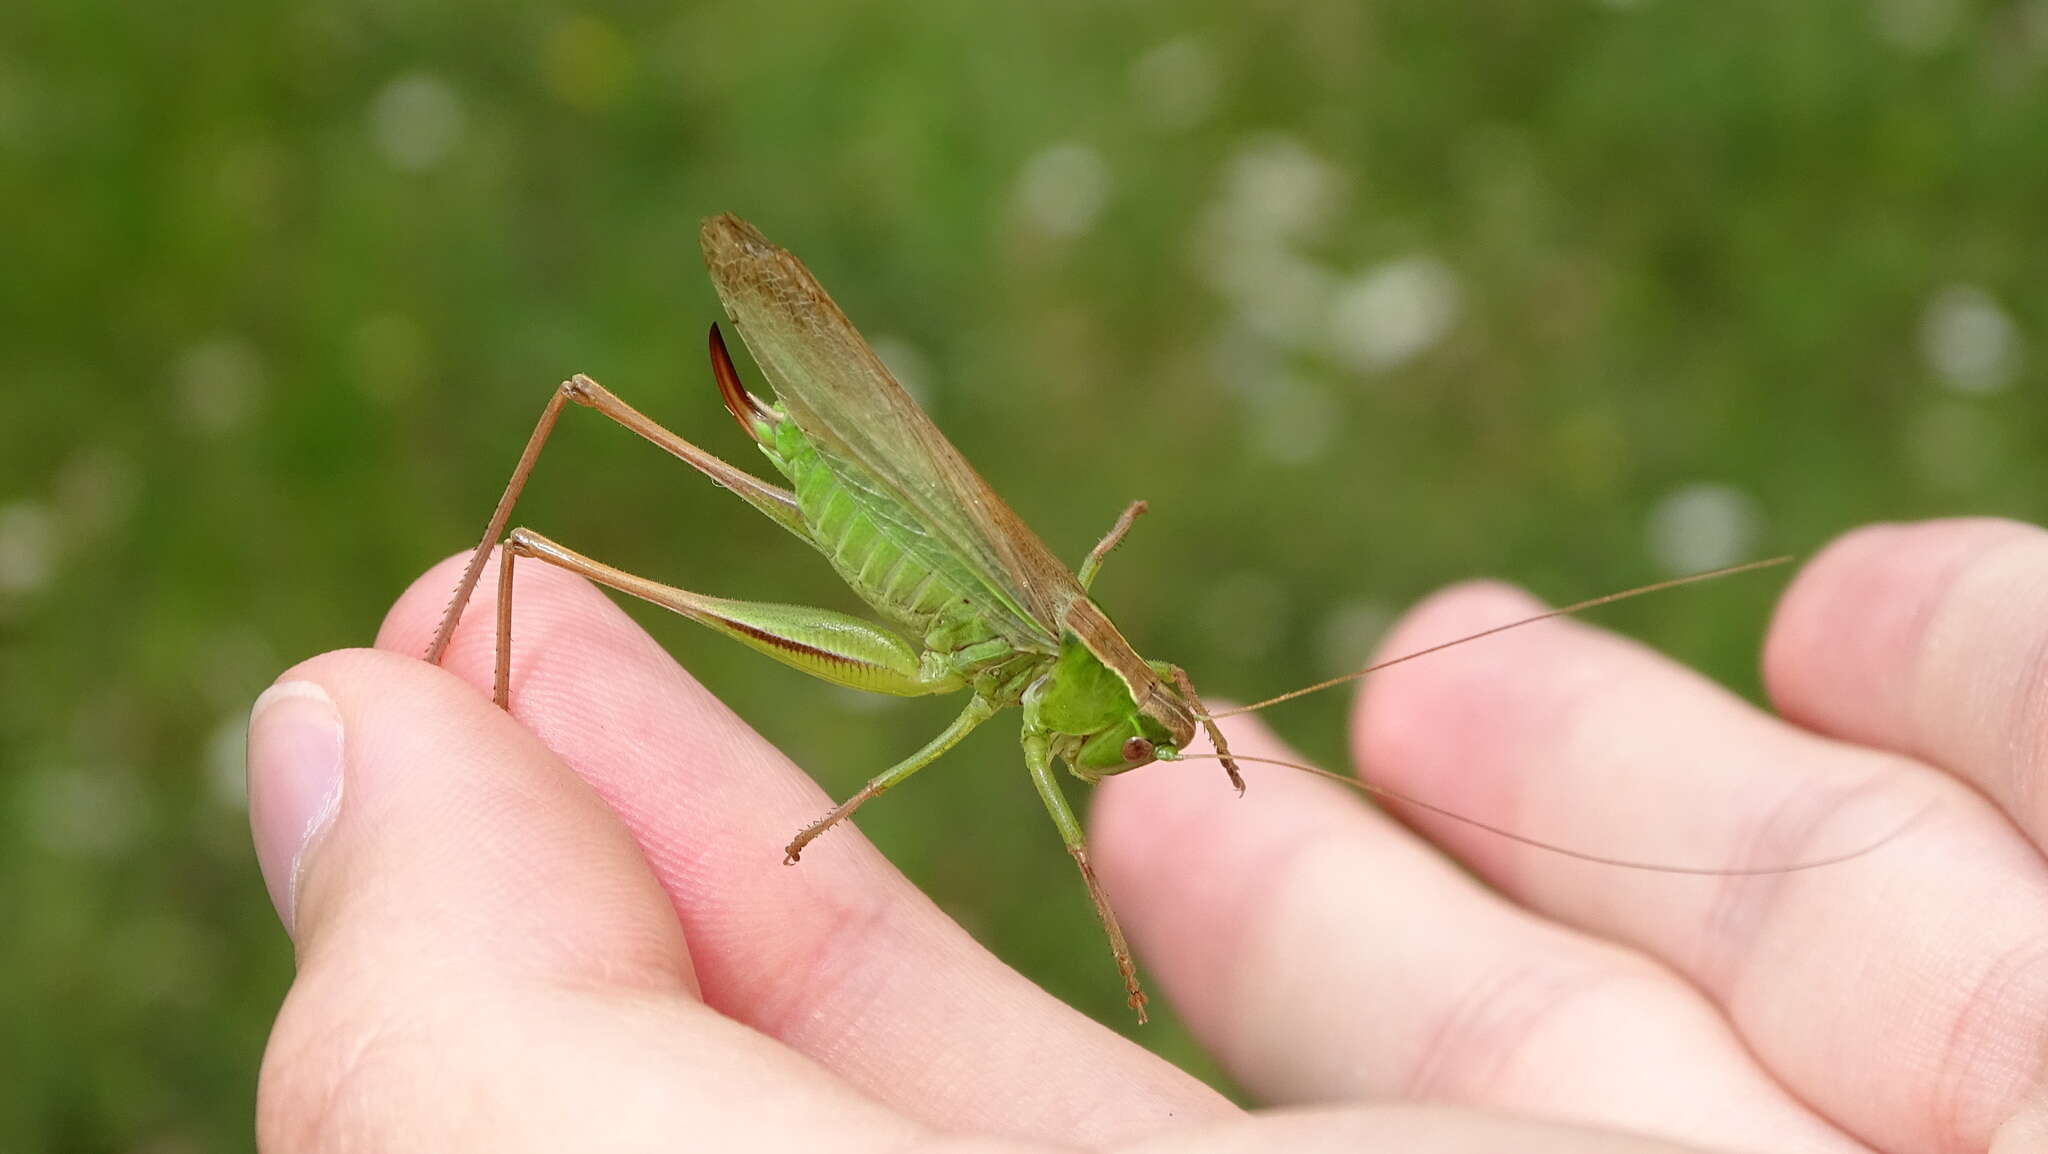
(287, 285)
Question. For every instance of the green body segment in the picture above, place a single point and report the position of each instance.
(969, 634)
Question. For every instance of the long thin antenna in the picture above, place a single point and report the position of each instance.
(1577, 607)
(1382, 791)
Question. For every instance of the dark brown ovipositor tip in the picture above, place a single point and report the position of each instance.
(744, 406)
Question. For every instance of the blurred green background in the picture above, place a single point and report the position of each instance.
(1364, 297)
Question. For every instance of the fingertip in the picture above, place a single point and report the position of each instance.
(1847, 570)
(1433, 632)
(544, 593)
(409, 624)
(455, 836)
(1440, 696)
(559, 620)
(1864, 600)
(1467, 605)
(294, 766)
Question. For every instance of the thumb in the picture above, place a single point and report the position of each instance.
(441, 874)
(391, 804)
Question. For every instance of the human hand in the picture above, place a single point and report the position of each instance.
(495, 951)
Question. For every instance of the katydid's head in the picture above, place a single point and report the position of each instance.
(1131, 741)
(1102, 723)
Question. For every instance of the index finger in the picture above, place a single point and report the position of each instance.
(840, 956)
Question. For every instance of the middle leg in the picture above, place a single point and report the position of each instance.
(978, 710)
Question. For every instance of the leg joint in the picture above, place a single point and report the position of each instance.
(582, 390)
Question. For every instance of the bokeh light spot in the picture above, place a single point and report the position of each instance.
(1062, 190)
(415, 121)
(1703, 526)
(1968, 340)
(1393, 312)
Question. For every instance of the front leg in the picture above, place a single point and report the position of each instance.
(1038, 758)
(1110, 540)
(1179, 677)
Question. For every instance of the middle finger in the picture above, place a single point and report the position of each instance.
(1325, 954)
(1866, 986)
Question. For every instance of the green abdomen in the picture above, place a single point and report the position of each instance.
(883, 553)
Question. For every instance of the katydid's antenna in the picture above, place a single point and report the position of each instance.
(1576, 607)
(1391, 794)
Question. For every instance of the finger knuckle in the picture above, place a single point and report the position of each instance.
(1520, 1017)
(1991, 1060)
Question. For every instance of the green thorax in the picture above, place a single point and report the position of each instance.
(1089, 713)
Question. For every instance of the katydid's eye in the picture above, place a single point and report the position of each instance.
(1137, 749)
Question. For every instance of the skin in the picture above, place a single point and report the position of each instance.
(567, 929)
